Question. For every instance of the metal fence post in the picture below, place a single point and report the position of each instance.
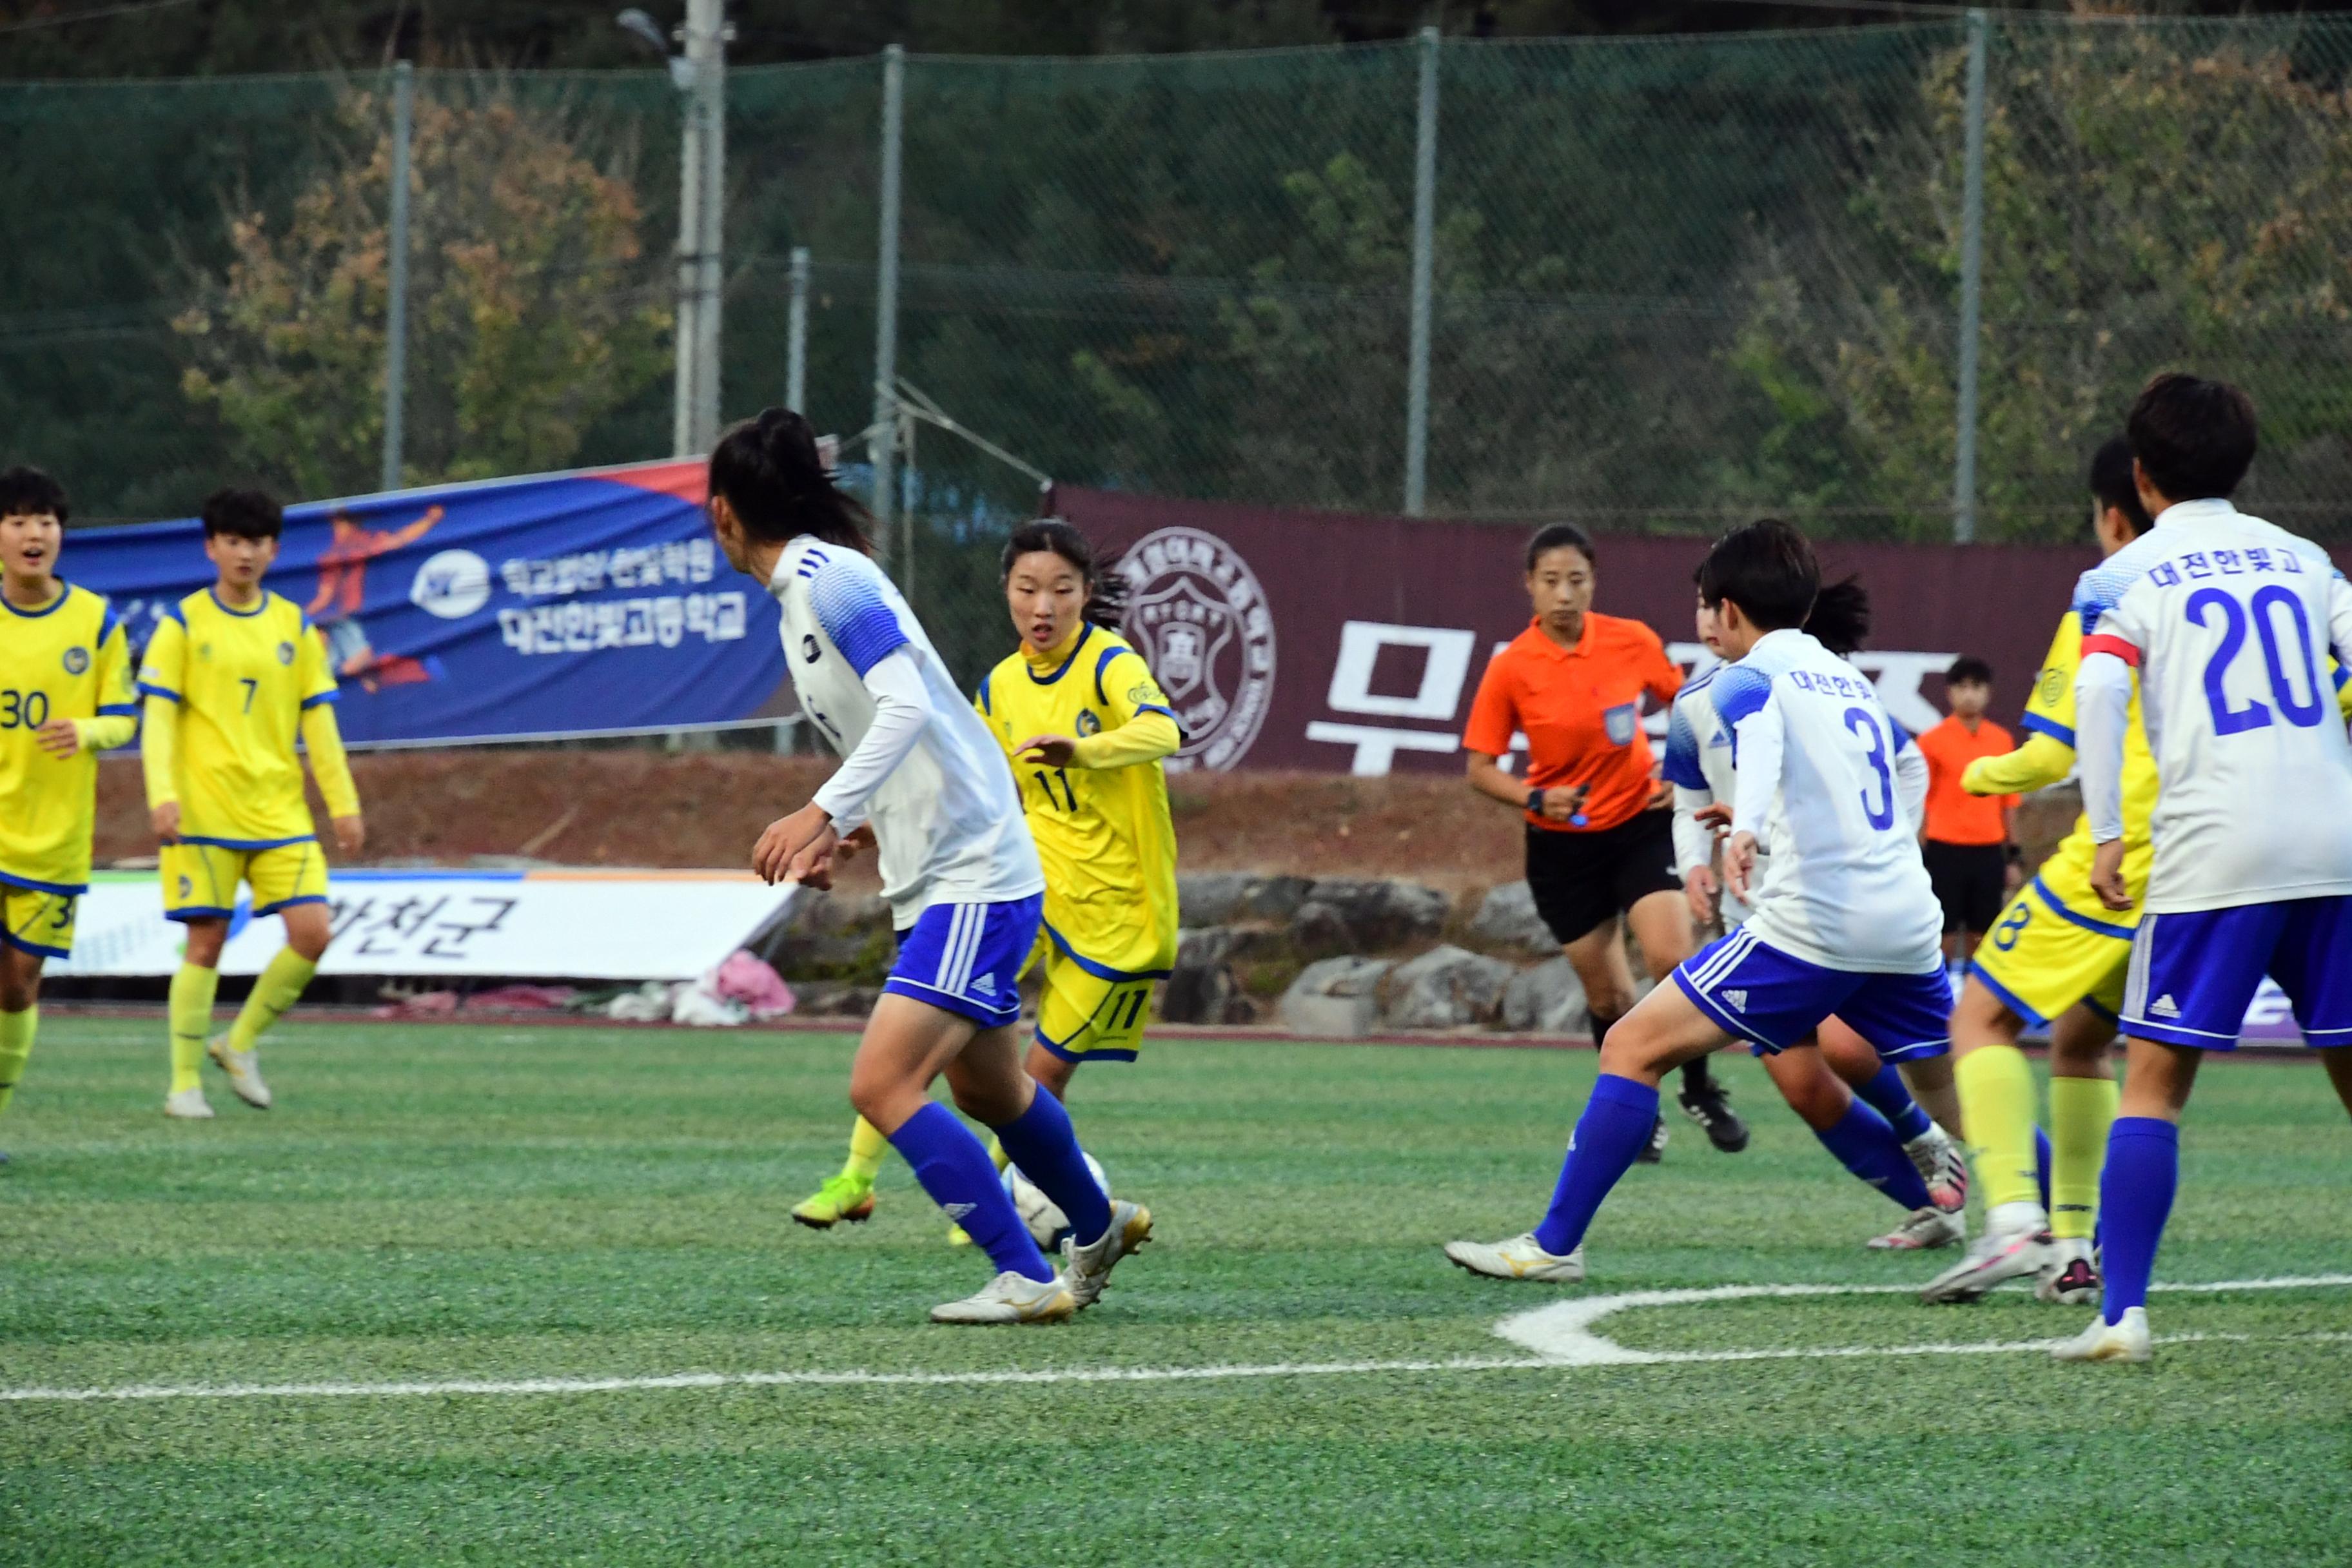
(1964, 443)
(883, 441)
(689, 328)
(396, 321)
(1425, 245)
(706, 47)
(796, 335)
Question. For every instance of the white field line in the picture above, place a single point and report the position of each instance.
(1561, 1334)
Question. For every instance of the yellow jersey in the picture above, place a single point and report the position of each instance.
(1103, 830)
(71, 660)
(242, 680)
(2047, 755)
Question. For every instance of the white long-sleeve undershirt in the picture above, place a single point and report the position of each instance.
(2103, 693)
(1694, 843)
(902, 709)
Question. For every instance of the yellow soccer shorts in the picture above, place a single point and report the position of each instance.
(36, 920)
(2056, 944)
(199, 880)
(1086, 1013)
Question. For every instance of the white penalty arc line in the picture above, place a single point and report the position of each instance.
(1561, 1335)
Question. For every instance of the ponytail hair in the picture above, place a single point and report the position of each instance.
(1840, 621)
(769, 471)
(1106, 588)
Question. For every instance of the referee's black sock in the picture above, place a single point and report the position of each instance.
(1601, 1023)
(1695, 1077)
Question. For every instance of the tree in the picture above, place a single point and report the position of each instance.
(532, 307)
(2155, 198)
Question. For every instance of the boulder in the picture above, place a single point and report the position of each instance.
(835, 999)
(1380, 913)
(1447, 988)
(1200, 987)
(1506, 916)
(1547, 999)
(1318, 931)
(1221, 897)
(1337, 998)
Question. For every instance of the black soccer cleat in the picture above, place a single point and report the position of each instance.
(1710, 1106)
(1652, 1150)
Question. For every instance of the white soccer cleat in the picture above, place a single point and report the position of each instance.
(2127, 1340)
(188, 1105)
(1521, 1258)
(1937, 1155)
(1011, 1298)
(2070, 1275)
(1087, 1270)
(1998, 1257)
(1925, 1231)
(244, 1069)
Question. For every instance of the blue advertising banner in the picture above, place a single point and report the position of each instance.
(561, 604)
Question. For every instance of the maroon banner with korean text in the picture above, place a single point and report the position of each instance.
(1335, 642)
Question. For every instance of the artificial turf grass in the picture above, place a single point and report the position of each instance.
(437, 1202)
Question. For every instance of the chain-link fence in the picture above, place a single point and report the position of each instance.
(1672, 281)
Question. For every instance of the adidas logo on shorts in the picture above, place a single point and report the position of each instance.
(1737, 1000)
(2165, 1007)
(985, 985)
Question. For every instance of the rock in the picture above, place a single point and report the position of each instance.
(1380, 913)
(1200, 987)
(1318, 931)
(818, 913)
(833, 999)
(1337, 998)
(1547, 999)
(1221, 897)
(1506, 916)
(1447, 988)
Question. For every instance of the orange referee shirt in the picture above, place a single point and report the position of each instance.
(1581, 709)
(1954, 815)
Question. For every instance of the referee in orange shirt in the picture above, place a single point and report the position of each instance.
(1964, 838)
(1598, 844)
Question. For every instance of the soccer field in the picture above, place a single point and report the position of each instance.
(600, 1207)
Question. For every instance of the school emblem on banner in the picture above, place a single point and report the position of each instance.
(1196, 611)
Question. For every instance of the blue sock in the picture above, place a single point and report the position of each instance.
(1890, 1097)
(2042, 1166)
(1042, 1143)
(2136, 1189)
(961, 1179)
(1864, 1144)
(1614, 1128)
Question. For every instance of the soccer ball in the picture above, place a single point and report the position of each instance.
(1047, 1224)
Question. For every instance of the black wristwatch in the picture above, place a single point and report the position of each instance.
(1535, 800)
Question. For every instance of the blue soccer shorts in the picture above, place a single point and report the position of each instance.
(1756, 993)
(2194, 974)
(966, 959)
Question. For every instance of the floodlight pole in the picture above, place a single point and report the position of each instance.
(700, 74)
(1424, 247)
(1964, 439)
(395, 324)
(796, 335)
(885, 439)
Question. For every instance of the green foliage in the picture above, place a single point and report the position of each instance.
(530, 304)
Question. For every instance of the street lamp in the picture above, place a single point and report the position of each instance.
(699, 73)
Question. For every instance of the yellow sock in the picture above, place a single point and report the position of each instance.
(192, 1022)
(1997, 1107)
(279, 988)
(15, 1046)
(867, 1147)
(2080, 1110)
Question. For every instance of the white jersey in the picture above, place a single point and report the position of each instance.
(1817, 783)
(2229, 620)
(947, 819)
(1698, 764)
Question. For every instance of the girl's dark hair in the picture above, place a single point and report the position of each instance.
(28, 492)
(1840, 621)
(769, 471)
(1554, 536)
(250, 514)
(1767, 568)
(1106, 588)
(2112, 483)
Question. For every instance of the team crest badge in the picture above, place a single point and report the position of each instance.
(76, 660)
(1196, 611)
(285, 653)
(1088, 723)
(1620, 722)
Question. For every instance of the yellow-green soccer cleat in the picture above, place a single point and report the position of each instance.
(841, 1199)
(244, 1069)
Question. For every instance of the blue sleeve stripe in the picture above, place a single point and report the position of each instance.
(108, 623)
(2050, 727)
(313, 701)
(855, 615)
(118, 710)
(1103, 664)
(2343, 673)
(173, 612)
(151, 690)
(1739, 691)
(1155, 707)
(985, 705)
(1682, 765)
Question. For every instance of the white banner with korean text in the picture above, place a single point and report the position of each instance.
(539, 924)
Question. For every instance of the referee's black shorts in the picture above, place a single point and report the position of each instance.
(1580, 879)
(1971, 881)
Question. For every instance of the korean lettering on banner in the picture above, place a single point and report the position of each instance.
(413, 924)
(1438, 694)
(573, 625)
